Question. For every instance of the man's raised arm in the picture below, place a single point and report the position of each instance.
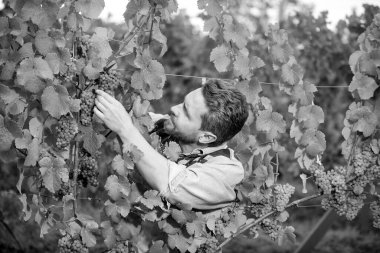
(152, 166)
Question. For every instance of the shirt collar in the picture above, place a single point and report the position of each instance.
(208, 150)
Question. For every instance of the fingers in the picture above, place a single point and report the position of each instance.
(98, 113)
(106, 96)
(100, 105)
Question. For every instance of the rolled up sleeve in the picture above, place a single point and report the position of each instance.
(204, 186)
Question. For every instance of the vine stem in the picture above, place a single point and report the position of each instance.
(129, 37)
(255, 222)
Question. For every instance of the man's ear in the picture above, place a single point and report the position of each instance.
(207, 138)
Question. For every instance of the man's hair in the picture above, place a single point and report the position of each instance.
(228, 110)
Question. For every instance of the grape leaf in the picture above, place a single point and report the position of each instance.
(160, 38)
(140, 107)
(116, 187)
(127, 230)
(194, 228)
(136, 7)
(295, 131)
(353, 60)
(36, 128)
(33, 152)
(311, 116)
(42, 14)
(152, 71)
(219, 56)
(88, 237)
(250, 89)
(304, 93)
(90, 8)
(364, 85)
(23, 143)
(8, 95)
(286, 235)
(314, 141)
(53, 172)
(158, 247)
(100, 46)
(6, 138)
(291, 72)
(270, 122)
(108, 233)
(241, 66)
(363, 119)
(172, 150)
(118, 165)
(212, 7)
(179, 242)
(32, 72)
(212, 27)
(256, 62)
(91, 140)
(280, 54)
(58, 60)
(26, 51)
(151, 199)
(55, 100)
(8, 70)
(44, 43)
(25, 211)
(179, 216)
(235, 32)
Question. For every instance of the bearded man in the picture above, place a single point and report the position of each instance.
(207, 172)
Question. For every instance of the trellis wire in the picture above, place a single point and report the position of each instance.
(227, 79)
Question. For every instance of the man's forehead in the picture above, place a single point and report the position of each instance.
(197, 101)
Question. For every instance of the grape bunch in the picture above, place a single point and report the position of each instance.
(108, 82)
(63, 191)
(256, 210)
(67, 128)
(375, 209)
(88, 170)
(83, 45)
(210, 246)
(122, 247)
(226, 216)
(67, 244)
(283, 194)
(87, 105)
(271, 228)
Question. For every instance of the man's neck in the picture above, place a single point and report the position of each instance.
(188, 148)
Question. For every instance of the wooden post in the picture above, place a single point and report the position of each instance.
(318, 232)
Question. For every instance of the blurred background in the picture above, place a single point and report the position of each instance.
(323, 33)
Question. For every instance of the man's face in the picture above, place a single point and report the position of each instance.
(185, 118)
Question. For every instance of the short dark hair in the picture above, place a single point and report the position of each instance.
(228, 110)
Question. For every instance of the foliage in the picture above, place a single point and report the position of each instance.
(51, 62)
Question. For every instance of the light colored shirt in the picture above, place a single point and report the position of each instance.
(205, 185)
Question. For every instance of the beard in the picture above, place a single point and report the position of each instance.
(170, 129)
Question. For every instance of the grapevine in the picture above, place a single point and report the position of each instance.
(55, 60)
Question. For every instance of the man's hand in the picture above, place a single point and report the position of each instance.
(112, 113)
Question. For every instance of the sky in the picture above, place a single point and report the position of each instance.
(337, 9)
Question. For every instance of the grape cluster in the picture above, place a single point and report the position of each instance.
(226, 216)
(67, 128)
(256, 210)
(63, 191)
(87, 105)
(122, 247)
(108, 82)
(375, 209)
(210, 246)
(88, 170)
(67, 244)
(283, 194)
(83, 45)
(271, 228)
